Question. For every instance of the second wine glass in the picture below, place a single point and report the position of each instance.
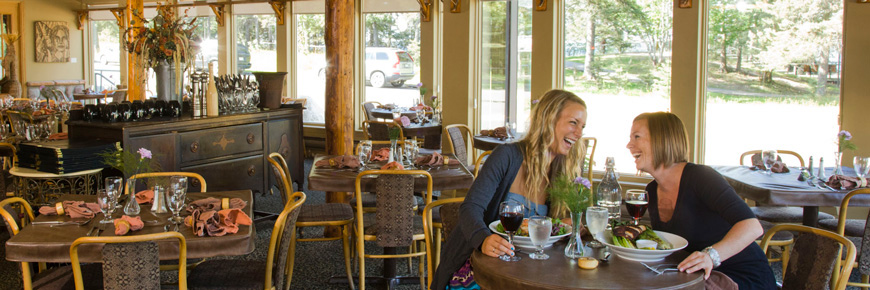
(636, 202)
(510, 214)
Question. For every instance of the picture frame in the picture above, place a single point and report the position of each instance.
(52, 41)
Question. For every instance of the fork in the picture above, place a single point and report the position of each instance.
(658, 268)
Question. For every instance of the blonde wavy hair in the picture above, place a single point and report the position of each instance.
(536, 143)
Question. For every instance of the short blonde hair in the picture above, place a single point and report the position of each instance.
(668, 139)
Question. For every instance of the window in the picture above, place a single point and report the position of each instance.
(772, 77)
(206, 30)
(618, 60)
(107, 54)
(256, 38)
(392, 47)
(311, 65)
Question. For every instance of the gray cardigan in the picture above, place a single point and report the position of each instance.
(478, 210)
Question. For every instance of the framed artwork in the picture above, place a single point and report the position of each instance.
(685, 3)
(52, 41)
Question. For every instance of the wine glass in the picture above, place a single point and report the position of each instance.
(539, 232)
(862, 166)
(107, 205)
(510, 214)
(768, 157)
(176, 195)
(396, 113)
(596, 219)
(365, 152)
(114, 186)
(420, 113)
(636, 202)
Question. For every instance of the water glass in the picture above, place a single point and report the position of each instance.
(396, 113)
(176, 196)
(540, 228)
(768, 157)
(596, 221)
(114, 187)
(861, 165)
(365, 152)
(420, 113)
(107, 205)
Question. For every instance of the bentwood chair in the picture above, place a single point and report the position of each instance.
(439, 218)
(380, 130)
(396, 221)
(129, 262)
(368, 107)
(17, 213)
(590, 143)
(459, 136)
(195, 179)
(855, 230)
(245, 274)
(7, 154)
(479, 162)
(313, 215)
(813, 257)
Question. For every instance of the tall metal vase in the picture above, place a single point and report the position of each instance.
(165, 79)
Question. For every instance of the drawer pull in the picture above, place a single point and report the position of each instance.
(251, 171)
(250, 138)
(194, 147)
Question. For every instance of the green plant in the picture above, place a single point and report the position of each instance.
(575, 194)
(845, 141)
(130, 163)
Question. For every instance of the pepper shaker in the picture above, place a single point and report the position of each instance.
(821, 174)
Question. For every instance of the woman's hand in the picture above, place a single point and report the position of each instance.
(697, 261)
(494, 246)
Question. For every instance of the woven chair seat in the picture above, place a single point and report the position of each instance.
(371, 227)
(228, 274)
(325, 212)
(780, 235)
(62, 278)
(854, 227)
(783, 214)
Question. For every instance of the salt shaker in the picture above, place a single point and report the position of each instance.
(821, 174)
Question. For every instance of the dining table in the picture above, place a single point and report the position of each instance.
(97, 97)
(561, 272)
(784, 189)
(46, 243)
(388, 114)
(430, 132)
(487, 143)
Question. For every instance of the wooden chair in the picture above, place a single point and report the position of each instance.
(130, 262)
(380, 130)
(854, 230)
(11, 210)
(436, 215)
(396, 187)
(369, 200)
(7, 154)
(589, 142)
(197, 179)
(460, 140)
(815, 250)
(367, 108)
(780, 152)
(479, 162)
(313, 215)
(244, 274)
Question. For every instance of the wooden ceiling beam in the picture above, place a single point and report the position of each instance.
(195, 4)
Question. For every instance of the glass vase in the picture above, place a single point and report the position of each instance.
(838, 160)
(132, 206)
(574, 249)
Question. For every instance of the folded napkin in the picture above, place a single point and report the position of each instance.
(211, 203)
(403, 120)
(127, 224)
(387, 107)
(145, 196)
(380, 154)
(434, 160)
(74, 209)
(217, 223)
(420, 107)
(499, 132)
(393, 166)
(778, 166)
(59, 136)
(344, 161)
(846, 182)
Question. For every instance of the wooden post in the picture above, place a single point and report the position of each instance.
(136, 71)
(339, 82)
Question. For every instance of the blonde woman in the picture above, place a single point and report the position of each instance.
(518, 171)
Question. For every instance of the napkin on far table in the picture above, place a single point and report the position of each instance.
(217, 223)
(127, 224)
(846, 182)
(344, 161)
(778, 166)
(145, 196)
(420, 107)
(499, 132)
(403, 120)
(211, 203)
(393, 166)
(74, 209)
(434, 160)
(380, 154)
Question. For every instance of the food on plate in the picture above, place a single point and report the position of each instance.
(587, 263)
(626, 237)
(559, 228)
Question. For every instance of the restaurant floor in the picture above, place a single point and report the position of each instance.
(315, 261)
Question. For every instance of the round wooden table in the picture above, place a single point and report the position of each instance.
(559, 272)
(487, 143)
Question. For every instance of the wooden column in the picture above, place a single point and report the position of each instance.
(339, 82)
(136, 71)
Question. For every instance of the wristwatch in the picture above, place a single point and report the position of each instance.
(714, 255)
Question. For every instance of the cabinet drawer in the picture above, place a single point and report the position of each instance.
(218, 142)
(236, 174)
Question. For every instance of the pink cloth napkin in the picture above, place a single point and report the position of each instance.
(499, 132)
(217, 223)
(145, 196)
(127, 224)
(393, 166)
(434, 160)
(420, 107)
(344, 161)
(74, 209)
(403, 120)
(846, 182)
(778, 166)
(387, 107)
(380, 154)
(211, 203)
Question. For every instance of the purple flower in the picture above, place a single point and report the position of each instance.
(434, 97)
(535, 102)
(145, 153)
(845, 135)
(419, 85)
(585, 182)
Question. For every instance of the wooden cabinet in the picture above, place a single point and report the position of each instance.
(228, 151)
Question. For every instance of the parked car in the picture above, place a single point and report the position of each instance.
(385, 66)
(208, 53)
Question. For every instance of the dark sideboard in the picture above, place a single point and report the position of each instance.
(228, 151)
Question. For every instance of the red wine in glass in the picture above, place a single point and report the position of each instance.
(510, 214)
(636, 203)
(511, 221)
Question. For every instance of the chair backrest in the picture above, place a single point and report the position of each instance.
(12, 216)
(449, 210)
(131, 262)
(8, 150)
(813, 258)
(368, 107)
(590, 143)
(199, 178)
(279, 243)
(780, 152)
(394, 191)
(380, 130)
(862, 260)
(459, 136)
(282, 175)
(479, 162)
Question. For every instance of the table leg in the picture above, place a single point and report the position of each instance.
(389, 280)
(811, 216)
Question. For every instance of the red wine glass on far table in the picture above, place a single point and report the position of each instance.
(636, 202)
(510, 214)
